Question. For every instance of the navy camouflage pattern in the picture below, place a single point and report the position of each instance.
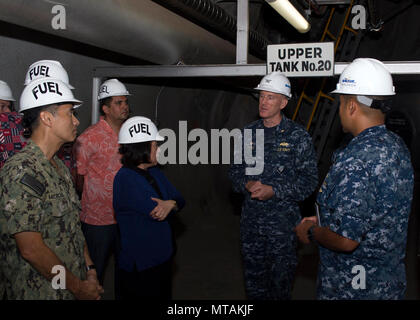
(366, 197)
(53, 213)
(267, 236)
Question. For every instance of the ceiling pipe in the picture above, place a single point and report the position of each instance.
(141, 29)
(213, 17)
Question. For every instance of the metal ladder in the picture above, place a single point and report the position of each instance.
(321, 108)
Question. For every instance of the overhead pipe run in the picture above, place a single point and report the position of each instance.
(213, 17)
(141, 29)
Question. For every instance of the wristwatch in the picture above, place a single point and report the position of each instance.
(311, 234)
(90, 267)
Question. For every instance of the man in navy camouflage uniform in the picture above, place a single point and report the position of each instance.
(39, 222)
(270, 210)
(365, 200)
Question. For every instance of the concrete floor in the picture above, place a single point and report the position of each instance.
(208, 262)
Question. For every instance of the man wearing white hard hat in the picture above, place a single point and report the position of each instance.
(11, 138)
(97, 161)
(365, 199)
(270, 210)
(143, 200)
(6, 98)
(54, 70)
(47, 69)
(11, 130)
(39, 226)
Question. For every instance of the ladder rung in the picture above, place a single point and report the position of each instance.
(331, 35)
(350, 29)
(322, 94)
(308, 98)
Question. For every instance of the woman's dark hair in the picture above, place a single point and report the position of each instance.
(30, 120)
(134, 154)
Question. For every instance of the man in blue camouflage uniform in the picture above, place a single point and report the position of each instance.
(365, 200)
(270, 210)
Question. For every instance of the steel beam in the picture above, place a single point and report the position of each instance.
(395, 67)
(95, 103)
(165, 71)
(227, 70)
(242, 32)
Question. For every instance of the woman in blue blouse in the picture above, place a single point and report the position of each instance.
(143, 198)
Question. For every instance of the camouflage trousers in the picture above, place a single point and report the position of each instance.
(269, 262)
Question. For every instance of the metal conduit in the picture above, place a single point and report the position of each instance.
(210, 15)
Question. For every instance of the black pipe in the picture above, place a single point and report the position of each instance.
(215, 19)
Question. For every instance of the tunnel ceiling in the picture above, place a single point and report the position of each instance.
(268, 27)
(138, 32)
(145, 30)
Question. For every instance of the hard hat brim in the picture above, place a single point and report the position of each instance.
(361, 93)
(124, 94)
(76, 104)
(272, 90)
(7, 99)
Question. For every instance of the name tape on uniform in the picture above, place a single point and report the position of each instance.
(301, 59)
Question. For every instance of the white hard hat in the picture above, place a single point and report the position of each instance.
(277, 83)
(46, 91)
(365, 76)
(112, 88)
(138, 129)
(47, 69)
(5, 92)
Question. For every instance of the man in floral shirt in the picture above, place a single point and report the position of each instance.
(98, 160)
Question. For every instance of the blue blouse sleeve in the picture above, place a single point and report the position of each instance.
(169, 191)
(132, 193)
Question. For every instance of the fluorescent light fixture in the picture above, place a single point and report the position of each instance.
(289, 12)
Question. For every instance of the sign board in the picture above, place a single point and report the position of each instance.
(301, 59)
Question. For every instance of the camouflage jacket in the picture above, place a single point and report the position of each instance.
(290, 167)
(366, 197)
(49, 206)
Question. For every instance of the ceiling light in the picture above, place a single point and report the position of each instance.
(289, 12)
